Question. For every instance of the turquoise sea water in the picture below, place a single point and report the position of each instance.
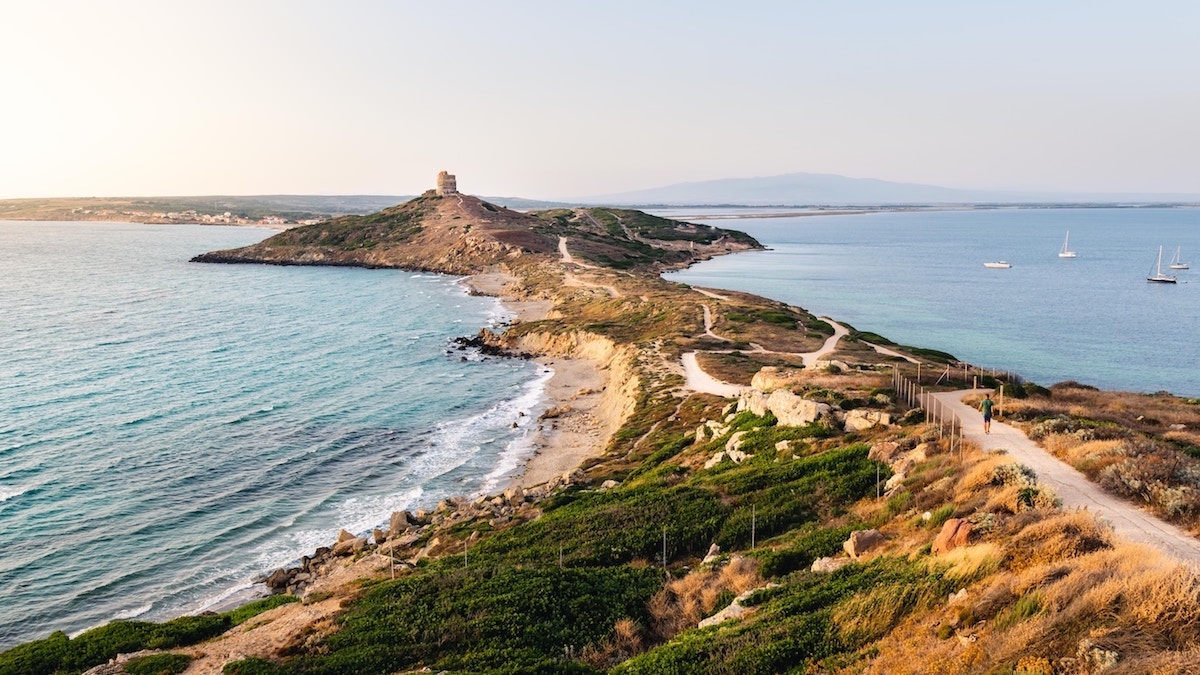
(169, 430)
(918, 278)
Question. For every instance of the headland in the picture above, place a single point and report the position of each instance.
(824, 521)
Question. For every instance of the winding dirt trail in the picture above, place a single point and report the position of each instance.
(572, 280)
(1073, 488)
(695, 379)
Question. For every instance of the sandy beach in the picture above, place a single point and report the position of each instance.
(572, 429)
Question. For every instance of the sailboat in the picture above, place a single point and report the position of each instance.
(1176, 263)
(1158, 275)
(1066, 252)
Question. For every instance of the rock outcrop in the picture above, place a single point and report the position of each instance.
(955, 532)
(791, 410)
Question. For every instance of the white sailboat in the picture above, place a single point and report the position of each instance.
(1158, 275)
(998, 265)
(1176, 263)
(1066, 252)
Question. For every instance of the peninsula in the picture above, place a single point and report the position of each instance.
(747, 488)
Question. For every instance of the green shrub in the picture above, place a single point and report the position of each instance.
(610, 528)
(800, 553)
(940, 515)
(37, 657)
(252, 666)
(252, 609)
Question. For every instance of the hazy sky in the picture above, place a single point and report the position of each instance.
(569, 98)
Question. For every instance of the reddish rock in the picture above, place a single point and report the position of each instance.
(955, 532)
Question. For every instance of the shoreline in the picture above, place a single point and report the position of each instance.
(572, 429)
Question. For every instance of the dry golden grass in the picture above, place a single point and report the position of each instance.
(969, 562)
(684, 602)
(1062, 609)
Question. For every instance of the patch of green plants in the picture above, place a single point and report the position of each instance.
(800, 625)
(800, 551)
(1025, 607)
(931, 354)
(873, 338)
(60, 655)
(611, 528)
(252, 609)
(771, 498)
(501, 621)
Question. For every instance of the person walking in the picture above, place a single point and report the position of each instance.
(985, 407)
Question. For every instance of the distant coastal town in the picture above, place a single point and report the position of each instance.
(190, 216)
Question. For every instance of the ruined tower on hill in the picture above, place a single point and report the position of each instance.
(446, 184)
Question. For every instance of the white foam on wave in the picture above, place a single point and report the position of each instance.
(531, 403)
(131, 613)
(7, 493)
(358, 515)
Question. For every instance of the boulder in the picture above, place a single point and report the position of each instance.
(350, 546)
(399, 522)
(735, 441)
(279, 579)
(713, 552)
(379, 536)
(701, 433)
(514, 495)
(829, 564)
(343, 535)
(894, 482)
(861, 541)
(955, 532)
(609, 484)
(735, 610)
(770, 378)
(556, 411)
(884, 451)
(793, 411)
(861, 420)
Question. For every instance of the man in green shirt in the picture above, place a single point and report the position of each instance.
(985, 407)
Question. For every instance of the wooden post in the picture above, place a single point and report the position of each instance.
(1001, 406)
(754, 513)
(664, 549)
(918, 372)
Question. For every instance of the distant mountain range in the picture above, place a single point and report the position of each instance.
(811, 189)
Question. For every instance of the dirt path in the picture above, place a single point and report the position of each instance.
(839, 332)
(695, 379)
(699, 381)
(1075, 490)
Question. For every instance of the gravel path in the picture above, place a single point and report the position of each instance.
(1076, 491)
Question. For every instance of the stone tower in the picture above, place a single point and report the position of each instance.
(446, 184)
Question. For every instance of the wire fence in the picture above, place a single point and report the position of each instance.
(949, 425)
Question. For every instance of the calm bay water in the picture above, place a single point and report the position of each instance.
(918, 278)
(168, 429)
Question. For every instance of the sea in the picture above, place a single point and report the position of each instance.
(169, 430)
(918, 278)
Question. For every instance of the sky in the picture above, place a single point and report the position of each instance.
(566, 98)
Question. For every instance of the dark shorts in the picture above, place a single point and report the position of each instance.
(987, 417)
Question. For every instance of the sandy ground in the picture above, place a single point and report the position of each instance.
(574, 429)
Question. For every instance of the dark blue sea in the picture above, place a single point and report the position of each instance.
(918, 278)
(169, 430)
